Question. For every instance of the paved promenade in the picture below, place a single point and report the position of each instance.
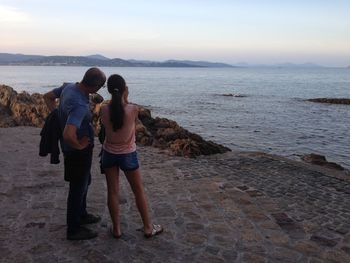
(235, 207)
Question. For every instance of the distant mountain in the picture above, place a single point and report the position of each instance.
(281, 65)
(97, 56)
(33, 60)
(168, 63)
(8, 58)
(202, 63)
(102, 61)
(96, 60)
(59, 61)
(139, 61)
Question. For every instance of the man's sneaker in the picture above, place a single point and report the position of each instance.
(89, 219)
(82, 234)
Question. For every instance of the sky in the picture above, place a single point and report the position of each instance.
(230, 31)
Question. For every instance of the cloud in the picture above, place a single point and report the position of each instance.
(12, 15)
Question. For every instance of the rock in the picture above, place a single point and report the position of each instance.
(143, 136)
(331, 100)
(321, 160)
(96, 98)
(314, 158)
(167, 134)
(24, 109)
(21, 109)
(233, 95)
(185, 147)
(7, 94)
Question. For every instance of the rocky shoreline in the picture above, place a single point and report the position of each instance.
(344, 101)
(23, 109)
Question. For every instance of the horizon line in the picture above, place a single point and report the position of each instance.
(237, 64)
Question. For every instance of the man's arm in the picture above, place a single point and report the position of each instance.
(50, 100)
(70, 136)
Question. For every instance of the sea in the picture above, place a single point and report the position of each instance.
(248, 109)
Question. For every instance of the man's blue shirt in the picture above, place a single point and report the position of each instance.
(74, 109)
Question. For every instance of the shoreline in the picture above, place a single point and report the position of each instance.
(25, 109)
(230, 207)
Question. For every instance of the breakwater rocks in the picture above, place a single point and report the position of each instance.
(167, 134)
(331, 100)
(232, 95)
(321, 160)
(23, 109)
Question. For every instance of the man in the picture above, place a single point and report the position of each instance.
(77, 142)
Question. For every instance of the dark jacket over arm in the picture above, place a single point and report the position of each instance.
(50, 134)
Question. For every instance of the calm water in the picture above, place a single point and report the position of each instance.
(272, 117)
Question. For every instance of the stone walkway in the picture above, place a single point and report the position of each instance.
(236, 207)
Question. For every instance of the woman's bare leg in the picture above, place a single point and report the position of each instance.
(135, 181)
(112, 177)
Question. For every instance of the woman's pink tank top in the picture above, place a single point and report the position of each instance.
(122, 140)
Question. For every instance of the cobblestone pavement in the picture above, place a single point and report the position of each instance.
(235, 207)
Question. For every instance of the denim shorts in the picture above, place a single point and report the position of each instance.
(126, 162)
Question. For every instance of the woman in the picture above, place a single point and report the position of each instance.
(119, 152)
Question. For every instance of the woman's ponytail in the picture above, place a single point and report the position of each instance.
(116, 87)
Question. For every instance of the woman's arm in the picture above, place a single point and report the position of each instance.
(136, 111)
